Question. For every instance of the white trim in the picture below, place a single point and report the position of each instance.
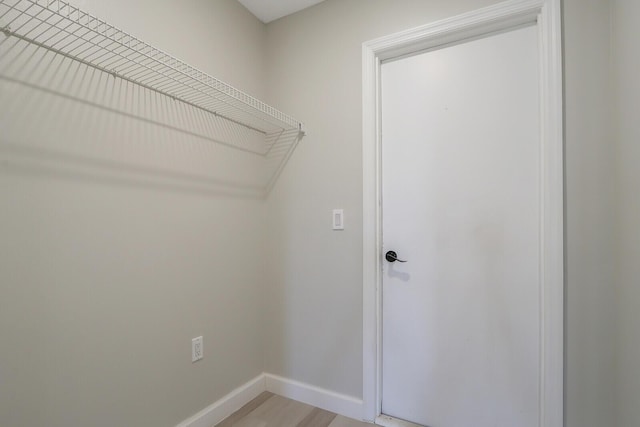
(371, 245)
(341, 404)
(213, 414)
(218, 411)
(498, 17)
(502, 16)
(552, 310)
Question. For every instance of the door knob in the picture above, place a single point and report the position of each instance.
(391, 256)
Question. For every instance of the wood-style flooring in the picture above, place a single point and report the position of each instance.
(271, 410)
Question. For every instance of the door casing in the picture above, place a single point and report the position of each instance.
(546, 15)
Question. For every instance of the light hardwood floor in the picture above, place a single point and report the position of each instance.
(271, 410)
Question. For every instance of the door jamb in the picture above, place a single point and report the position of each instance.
(546, 14)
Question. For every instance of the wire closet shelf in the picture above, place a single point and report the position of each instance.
(68, 31)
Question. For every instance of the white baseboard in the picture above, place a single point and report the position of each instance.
(218, 411)
(341, 404)
(328, 400)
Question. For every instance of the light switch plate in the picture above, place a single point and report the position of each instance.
(338, 219)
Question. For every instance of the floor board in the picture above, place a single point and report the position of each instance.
(271, 410)
(245, 410)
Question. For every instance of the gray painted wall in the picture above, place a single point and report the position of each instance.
(590, 240)
(105, 276)
(627, 91)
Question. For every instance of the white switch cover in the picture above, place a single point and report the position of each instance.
(338, 219)
(197, 349)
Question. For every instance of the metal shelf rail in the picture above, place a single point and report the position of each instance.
(66, 30)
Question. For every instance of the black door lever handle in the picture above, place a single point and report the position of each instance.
(391, 256)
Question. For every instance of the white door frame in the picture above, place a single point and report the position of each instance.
(546, 14)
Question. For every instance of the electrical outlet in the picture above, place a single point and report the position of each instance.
(197, 349)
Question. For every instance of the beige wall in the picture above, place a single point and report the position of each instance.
(219, 37)
(107, 273)
(314, 69)
(627, 90)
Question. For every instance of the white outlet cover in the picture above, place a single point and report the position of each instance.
(197, 349)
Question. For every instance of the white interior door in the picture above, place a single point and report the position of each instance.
(461, 192)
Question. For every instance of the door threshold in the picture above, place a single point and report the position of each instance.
(387, 421)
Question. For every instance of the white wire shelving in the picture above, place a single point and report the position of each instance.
(70, 32)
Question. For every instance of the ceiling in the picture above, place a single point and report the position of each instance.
(270, 10)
